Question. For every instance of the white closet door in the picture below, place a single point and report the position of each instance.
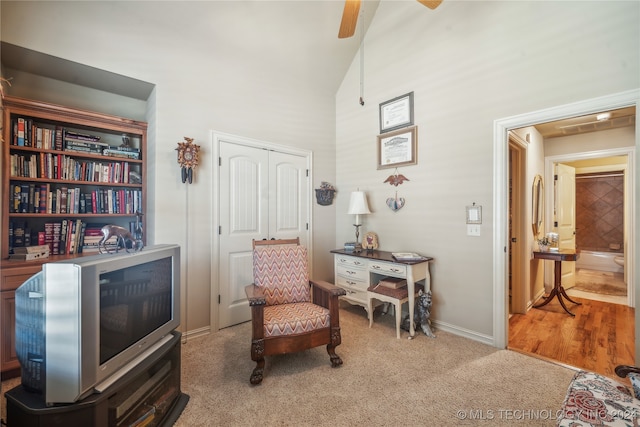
(288, 197)
(263, 195)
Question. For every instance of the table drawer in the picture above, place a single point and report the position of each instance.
(395, 270)
(352, 273)
(348, 261)
(352, 282)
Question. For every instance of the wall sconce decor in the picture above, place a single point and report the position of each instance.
(324, 194)
(396, 203)
(187, 158)
(396, 179)
(358, 206)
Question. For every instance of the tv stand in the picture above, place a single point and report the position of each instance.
(148, 395)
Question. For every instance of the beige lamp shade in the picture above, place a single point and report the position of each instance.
(358, 205)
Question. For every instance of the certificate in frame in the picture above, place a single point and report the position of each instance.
(398, 148)
(396, 113)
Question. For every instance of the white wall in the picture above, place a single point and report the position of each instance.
(201, 85)
(469, 63)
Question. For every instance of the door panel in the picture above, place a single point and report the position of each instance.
(289, 196)
(243, 217)
(565, 208)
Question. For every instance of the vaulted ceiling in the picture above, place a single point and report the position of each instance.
(301, 36)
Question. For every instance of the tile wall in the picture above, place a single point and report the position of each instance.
(600, 212)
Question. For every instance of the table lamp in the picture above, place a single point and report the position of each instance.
(358, 206)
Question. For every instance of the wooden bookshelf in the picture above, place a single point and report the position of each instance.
(48, 151)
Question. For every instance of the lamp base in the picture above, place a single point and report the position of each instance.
(352, 247)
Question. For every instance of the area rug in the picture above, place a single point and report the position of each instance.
(600, 282)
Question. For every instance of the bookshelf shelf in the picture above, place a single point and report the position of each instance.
(91, 163)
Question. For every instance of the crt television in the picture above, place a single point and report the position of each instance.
(83, 323)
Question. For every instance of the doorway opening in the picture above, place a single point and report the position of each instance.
(604, 189)
(607, 178)
(501, 186)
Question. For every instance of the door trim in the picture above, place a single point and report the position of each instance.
(520, 286)
(501, 128)
(216, 138)
(630, 200)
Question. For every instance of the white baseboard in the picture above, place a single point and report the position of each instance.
(466, 333)
(195, 333)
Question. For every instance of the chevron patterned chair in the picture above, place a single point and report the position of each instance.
(289, 312)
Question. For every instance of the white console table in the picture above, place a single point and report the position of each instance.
(356, 271)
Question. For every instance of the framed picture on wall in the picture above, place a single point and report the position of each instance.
(396, 113)
(398, 148)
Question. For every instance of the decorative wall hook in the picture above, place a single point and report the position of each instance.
(187, 158)
(396, 179)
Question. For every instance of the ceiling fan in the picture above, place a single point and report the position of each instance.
(350, 15)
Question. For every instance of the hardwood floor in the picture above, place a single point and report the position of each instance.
(599, 338)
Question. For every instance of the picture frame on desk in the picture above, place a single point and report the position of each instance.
(370, 241)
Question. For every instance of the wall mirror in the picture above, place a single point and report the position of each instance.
(537, 205)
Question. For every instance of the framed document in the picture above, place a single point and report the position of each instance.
(396, 113)
(398, 148)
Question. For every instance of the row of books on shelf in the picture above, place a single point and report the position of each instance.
(102, 149)
(27, 133)
(45, 199)
(67, 236)
(59, 166)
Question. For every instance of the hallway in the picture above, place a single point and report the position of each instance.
(599, 338)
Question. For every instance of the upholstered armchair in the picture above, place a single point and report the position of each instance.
(289, 313)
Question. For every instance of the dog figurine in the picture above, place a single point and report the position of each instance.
(422, 314)
(122, 237)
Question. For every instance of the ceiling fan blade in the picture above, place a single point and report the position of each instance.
(431, 4)
(349, 19)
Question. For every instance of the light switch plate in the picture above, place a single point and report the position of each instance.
(473, 229)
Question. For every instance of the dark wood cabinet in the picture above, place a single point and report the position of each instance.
(12, 275)
(148, 395)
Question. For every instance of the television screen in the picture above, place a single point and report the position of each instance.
(83, 323)
(134, 301)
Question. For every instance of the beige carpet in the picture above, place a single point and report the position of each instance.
(384, 381)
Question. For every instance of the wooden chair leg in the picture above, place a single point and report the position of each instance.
(336, 339)
(256, 375)
(335, 359)
(257, 355)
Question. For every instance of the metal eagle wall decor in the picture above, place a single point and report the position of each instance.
(187, 158)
